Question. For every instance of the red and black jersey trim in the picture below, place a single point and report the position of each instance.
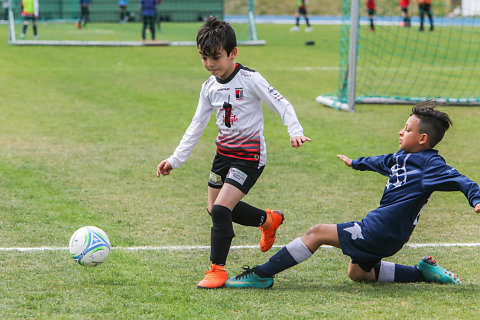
(238, 67)
(246, 148)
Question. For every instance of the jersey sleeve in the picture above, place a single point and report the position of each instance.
(275, 101)
(380, 164)
(439, 176)
(193, 133)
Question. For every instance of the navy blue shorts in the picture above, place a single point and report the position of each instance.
(357, 246)
(241, 173)
(302, 11)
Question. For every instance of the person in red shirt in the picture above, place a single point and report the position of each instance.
(371, 12)
(404, 4)
(425, 7)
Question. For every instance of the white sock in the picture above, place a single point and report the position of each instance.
(298, 250)
(387, 272)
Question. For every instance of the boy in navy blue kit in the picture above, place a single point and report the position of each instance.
(415, 172)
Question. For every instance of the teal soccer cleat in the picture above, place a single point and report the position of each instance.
(434, 273)
(249, 279)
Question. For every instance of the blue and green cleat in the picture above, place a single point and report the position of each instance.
(434, 273)
(249, 279)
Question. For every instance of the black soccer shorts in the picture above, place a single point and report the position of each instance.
(243, 174)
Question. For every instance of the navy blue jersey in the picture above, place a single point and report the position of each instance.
(412, 177)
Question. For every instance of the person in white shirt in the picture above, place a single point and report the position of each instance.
(235, 93)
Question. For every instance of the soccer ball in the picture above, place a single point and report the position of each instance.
(89, 246)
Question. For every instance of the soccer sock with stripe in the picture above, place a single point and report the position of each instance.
(392, 272)
(292, 254)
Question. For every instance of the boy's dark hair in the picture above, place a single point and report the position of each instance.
(432, 122)
(215, 35)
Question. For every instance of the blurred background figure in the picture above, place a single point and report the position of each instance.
(122, 4)
(149, 12)
(425, 6)
(404, 4)
(371, 12)
(5, 9)
(84, 13)
(301, 10)
(29, 12)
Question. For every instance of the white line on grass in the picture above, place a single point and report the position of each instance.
(185, 248)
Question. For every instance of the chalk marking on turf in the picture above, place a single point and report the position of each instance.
(185, 248)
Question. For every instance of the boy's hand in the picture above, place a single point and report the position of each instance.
(164, 168)
(298, 141)
(477, 208)
(345, 159)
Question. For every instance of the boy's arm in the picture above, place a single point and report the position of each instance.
(439, 176)
(380, 164)
(345, 160)
(192, 134)
(275, 101)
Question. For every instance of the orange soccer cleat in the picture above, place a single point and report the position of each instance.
(215, 278)
(269, 229)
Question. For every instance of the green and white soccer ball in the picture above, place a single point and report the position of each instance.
(89, 246)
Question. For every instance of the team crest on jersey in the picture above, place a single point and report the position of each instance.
(239, 93)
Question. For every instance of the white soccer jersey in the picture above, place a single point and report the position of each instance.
(237, 102)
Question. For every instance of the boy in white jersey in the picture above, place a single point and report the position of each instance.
(235, 93)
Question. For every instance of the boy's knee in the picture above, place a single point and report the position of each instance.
(222, 220)
(316, 230)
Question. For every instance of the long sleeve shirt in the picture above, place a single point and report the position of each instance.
(237, 103)
(412, 178)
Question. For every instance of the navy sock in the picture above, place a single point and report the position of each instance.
(391, 272)
(290, 255)
(278, 262)
(408, 274)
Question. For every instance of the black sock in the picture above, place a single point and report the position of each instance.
(247, 215)
(221, 234)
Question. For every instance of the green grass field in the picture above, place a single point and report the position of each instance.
(82, 130)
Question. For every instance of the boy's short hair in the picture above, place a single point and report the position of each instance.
(432, 122)
(215, 35)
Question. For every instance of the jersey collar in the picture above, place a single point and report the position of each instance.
(238, 66)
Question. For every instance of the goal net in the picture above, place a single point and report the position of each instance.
(120, 22)
(402, 60)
